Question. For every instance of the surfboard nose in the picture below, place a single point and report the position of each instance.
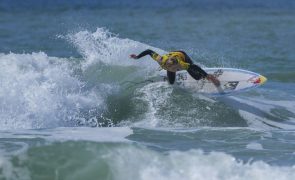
(260, 80)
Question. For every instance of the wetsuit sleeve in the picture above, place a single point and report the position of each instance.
(153, 54)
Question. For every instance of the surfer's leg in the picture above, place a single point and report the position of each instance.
(187, 58)
(171, 77)
(196, 72)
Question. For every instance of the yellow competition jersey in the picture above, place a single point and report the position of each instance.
(166, 63)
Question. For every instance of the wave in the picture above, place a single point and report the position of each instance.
(125, 161)
(107, 88)
(39, 91)
(192, 164)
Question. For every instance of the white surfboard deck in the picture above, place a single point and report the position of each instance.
(231, 81)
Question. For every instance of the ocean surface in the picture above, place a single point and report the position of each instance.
(73, 105)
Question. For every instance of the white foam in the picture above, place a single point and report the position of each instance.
(142, 164)
(37, 91)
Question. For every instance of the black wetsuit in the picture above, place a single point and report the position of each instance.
(194, 70)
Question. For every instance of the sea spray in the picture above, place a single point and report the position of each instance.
(38, 91)
(104, 46)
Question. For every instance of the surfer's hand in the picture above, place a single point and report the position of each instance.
(213, 79)
(133, 56)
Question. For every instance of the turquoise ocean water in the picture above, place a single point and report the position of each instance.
(74, 106)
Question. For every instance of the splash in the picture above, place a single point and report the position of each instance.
(104, 46)
(38, 91)
(192, 164)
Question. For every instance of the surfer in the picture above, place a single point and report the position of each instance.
(175, 61)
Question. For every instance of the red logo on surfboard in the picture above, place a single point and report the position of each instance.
(254, 80)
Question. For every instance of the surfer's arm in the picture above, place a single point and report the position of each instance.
(153, 54)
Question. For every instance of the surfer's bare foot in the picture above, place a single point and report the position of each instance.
(213, 79)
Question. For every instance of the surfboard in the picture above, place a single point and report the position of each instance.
(231, 81)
